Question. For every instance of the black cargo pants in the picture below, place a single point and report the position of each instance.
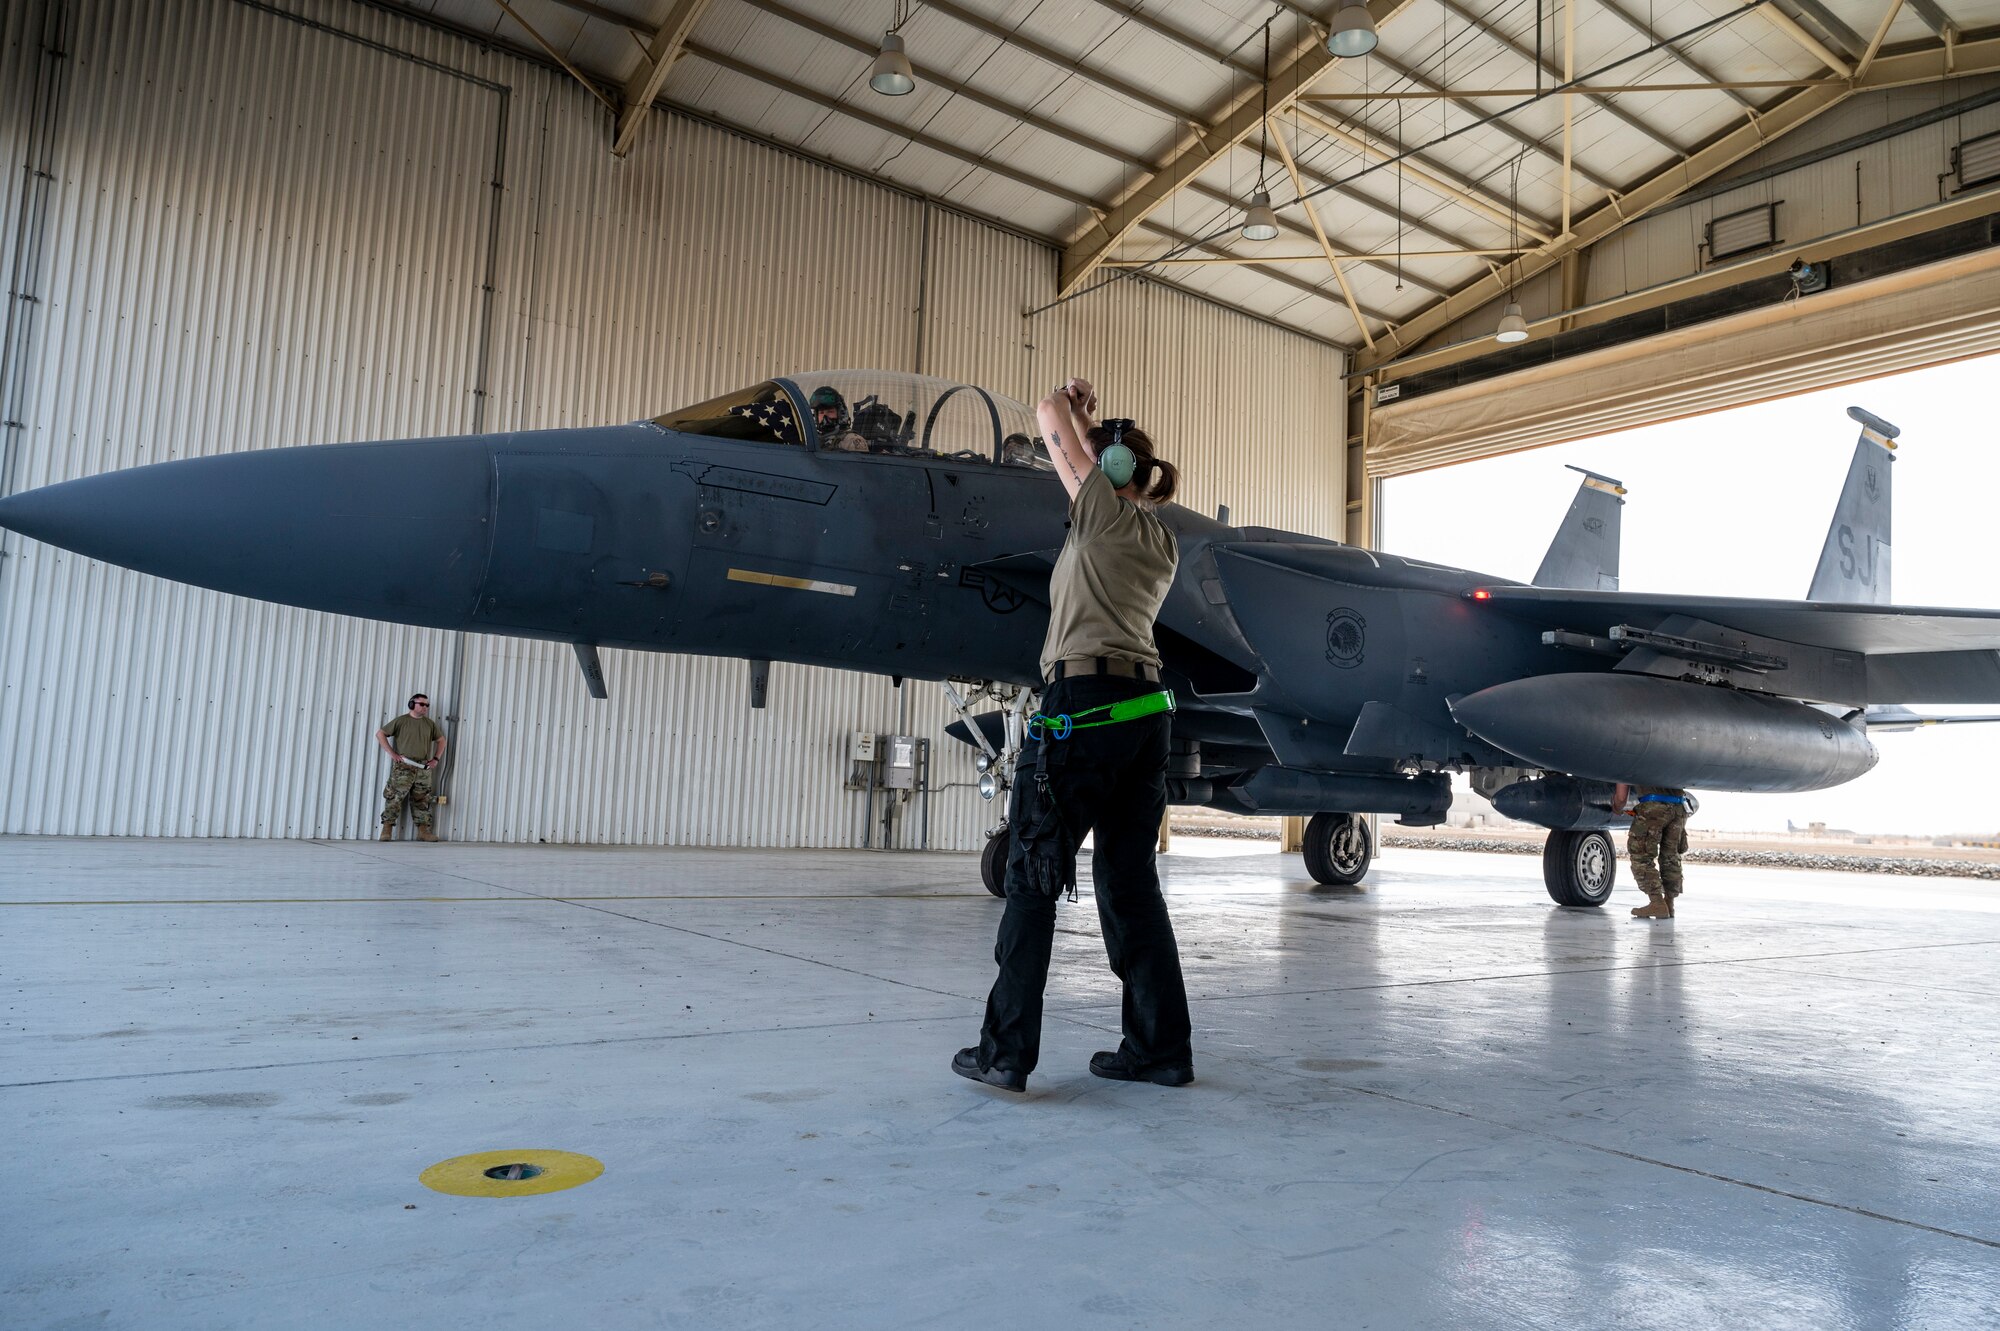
(1111, 780)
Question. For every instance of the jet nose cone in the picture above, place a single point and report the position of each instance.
(385, 531)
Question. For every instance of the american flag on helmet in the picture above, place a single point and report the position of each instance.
(775, 416)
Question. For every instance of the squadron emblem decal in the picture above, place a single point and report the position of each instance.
(1873, 483)
(1346, 635)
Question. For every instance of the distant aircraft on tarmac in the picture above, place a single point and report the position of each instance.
(907, 526)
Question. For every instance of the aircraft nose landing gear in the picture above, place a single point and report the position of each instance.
(1579, 868)
(993, 861)
(996, 766)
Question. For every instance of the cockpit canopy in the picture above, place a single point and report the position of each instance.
(882, 412)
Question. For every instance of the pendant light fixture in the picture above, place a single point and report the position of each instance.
(892, 75)
(1513, 325)
(1352, 32)
(1260, 221)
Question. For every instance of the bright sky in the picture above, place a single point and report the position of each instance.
(1737, 504)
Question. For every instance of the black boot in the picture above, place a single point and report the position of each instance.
(966, 1064)
(1116, 1066)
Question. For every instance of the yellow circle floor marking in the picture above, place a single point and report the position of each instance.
(510, 1173)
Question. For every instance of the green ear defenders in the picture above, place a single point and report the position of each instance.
(1118, 462)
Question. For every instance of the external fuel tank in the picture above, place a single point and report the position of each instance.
(1666, 732)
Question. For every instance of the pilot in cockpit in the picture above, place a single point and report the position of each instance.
(829, 413)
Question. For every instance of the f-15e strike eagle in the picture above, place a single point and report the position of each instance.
(911, 529)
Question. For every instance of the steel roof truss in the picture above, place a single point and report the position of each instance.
(644, 85)
(1550, 67)
(1947, 60)
(1686, 61)
(1846, 38)
(1439, 179)
(1082, 257)
(1326, 246)
(1934, 16)
(1527, 141)
(1812, 45)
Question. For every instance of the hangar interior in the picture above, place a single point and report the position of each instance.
(236, 225)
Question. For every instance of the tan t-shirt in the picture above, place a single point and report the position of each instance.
(1112, 575)
(413, 736)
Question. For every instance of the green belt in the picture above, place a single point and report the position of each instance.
(1061, 725)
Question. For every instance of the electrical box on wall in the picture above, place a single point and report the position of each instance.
(861, 760)
(899, 768)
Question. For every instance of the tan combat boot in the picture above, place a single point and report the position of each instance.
(1658, 908)
(388, 831)
(425, 834)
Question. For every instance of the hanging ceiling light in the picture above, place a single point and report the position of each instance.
(1513, 327)
(1352, 32)
(892, 75)
(1259, 221)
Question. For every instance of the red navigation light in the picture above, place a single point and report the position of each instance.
(1482, 595)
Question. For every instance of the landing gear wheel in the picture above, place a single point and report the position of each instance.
(1580, 868)
(1337, 848)
(993, 863)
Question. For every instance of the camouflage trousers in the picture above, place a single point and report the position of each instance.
(412, 785)
(1655, 843)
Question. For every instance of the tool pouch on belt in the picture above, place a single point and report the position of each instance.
(1042, 831)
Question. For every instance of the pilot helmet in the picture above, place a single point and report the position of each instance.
(824, 398)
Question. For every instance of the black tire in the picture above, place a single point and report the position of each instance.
(1338, 849)
(993, 863)
(1579, 868)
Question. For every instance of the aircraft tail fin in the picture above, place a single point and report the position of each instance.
(1854, 563)
(1584, 554)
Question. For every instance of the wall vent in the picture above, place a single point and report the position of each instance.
(1744, 231)
(1977, 161)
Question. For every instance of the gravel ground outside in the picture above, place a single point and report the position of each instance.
(1897, 857)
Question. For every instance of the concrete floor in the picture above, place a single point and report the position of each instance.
(1436, 1101)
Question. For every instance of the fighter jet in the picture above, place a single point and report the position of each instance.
(907, 525)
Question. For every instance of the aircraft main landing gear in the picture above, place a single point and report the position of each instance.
(1338, 849)
(1579, 868)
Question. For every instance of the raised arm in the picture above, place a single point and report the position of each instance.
(1066, 420)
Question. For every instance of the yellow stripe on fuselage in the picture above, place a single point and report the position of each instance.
(797, 584)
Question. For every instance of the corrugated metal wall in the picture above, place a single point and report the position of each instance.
(281, 228)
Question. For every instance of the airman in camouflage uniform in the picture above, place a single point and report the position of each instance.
(415, 745)
(1655, 844)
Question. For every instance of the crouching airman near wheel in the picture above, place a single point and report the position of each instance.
(1655, 843)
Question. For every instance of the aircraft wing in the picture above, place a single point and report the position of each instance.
(1933, 654)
